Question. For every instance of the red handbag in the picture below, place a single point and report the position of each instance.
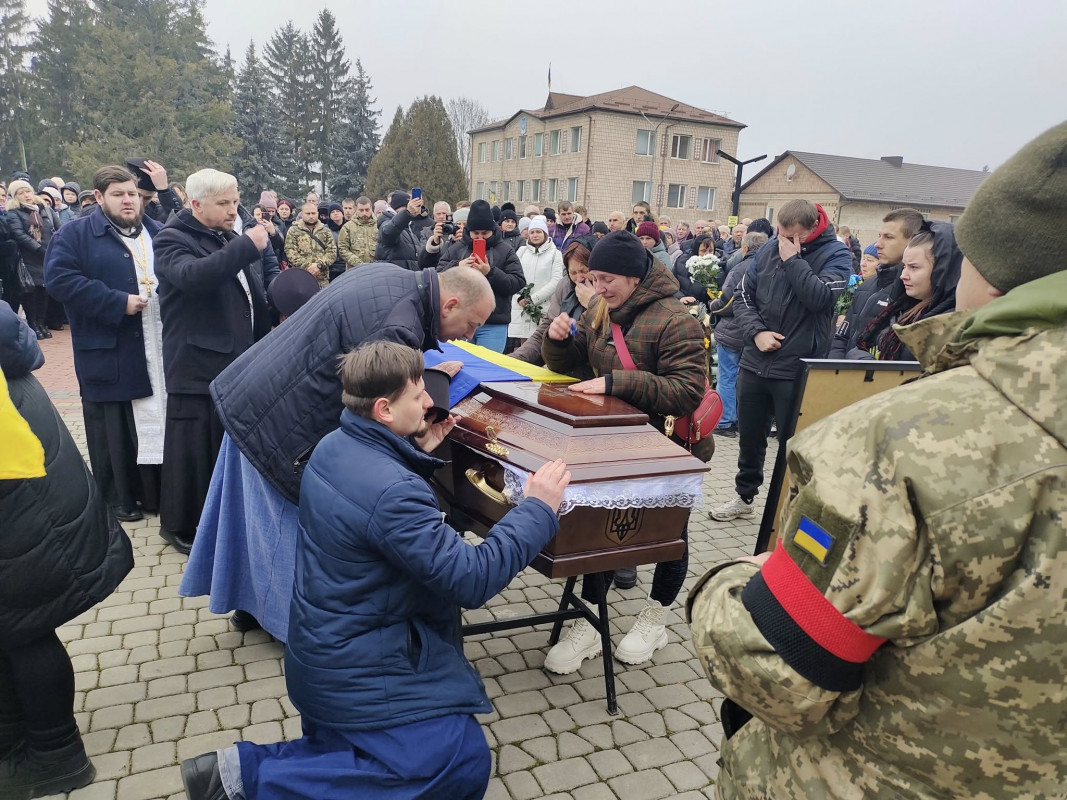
(692, 427)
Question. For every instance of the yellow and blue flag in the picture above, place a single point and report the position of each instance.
(813, 540)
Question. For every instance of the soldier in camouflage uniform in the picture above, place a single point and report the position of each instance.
(310, 245)
(908, 636)
(359, 236)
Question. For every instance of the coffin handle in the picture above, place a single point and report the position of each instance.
(478, 481)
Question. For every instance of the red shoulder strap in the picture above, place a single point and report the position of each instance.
(620, 347)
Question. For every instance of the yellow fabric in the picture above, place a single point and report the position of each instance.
(21, 454)
(536, 374)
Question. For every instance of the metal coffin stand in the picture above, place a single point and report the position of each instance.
(602, 439)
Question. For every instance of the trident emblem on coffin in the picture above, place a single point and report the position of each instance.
(623, 524)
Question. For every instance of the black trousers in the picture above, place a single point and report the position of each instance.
(760, 401)
(37, 695)
(35, 303)
(667, 580)
(191, 444)
(111, 439)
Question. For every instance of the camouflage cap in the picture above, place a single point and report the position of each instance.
(1014, 230)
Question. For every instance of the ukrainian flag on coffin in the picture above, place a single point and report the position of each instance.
(813, 540)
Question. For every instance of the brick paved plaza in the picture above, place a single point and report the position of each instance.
(160, 678)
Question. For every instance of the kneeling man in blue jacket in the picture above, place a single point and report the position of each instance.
(375, 658)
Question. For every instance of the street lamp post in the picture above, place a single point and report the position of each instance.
(736, 204)
(652, 145)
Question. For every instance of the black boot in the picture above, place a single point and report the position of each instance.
(32, 773)
(201, 778)
(243, 621)
(183, 544)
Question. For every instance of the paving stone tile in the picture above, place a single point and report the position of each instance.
(685, 776)
(195, 745)
(649, 784)
(155, 756)
(652, 753)
(149, 785)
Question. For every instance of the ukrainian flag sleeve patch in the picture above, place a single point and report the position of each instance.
(813, 540)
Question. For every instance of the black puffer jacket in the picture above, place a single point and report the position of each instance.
(795, 299)
(61, 549)
(31, 250)
(284, 394)
(399, 240)
(872, 296)
(505, 270)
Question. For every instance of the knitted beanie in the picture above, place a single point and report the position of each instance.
(1029, 188)
(649, 229)
(266, 199)
(621, 253)
(480, 217)
(871, 250)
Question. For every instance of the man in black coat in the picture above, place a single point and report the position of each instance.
(501, 267)
(399, 233)
(101, 268)
(159, 200)
(214, 305)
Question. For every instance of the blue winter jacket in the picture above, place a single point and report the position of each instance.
(89, 270)
(374, 630)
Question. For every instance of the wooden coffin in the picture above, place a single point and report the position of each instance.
(602, 439)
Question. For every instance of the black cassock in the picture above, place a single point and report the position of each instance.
(191, 444)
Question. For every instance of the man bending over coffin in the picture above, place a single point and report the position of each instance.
(907, 636)
(375, 658)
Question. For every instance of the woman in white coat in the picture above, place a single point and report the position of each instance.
(542, 264)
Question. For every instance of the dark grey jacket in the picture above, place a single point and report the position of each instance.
(728, 331)
(62, 551)
(284, 394)
(871, 298)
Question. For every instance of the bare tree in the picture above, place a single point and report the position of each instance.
(465, 114)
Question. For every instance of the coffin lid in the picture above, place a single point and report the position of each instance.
(600, 437)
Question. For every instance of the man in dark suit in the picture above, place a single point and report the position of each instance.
(100, 267)
(214, 305)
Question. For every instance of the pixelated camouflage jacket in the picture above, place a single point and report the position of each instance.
(357, 241)
(932, 517)
(304, 247)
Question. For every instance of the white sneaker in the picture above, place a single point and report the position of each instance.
(732, 510)
(648, 635)
(582, 641)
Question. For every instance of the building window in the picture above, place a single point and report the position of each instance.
(576, 139)
(522, 191)
(645, 143)
(522, 147)
(494, 153)
(768, 214)
(492, 191)
(481, 153)
(480, 193)
(681, 146)
(507, 190)
(709, 150)
(507, 148)
(572, 189)
(553, 189)
(535, 192)
(706, 198)
(676, 195)
(554, 143)
(642, 191)
(539, 145)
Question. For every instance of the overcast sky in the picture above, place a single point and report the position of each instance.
(956, 83)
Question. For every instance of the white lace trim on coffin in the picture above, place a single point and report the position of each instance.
(664, 491)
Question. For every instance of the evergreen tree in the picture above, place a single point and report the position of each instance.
(152, 86)
(287, 53)
(355, 140)
(420, 152)
(15, 122)
(59, 45)
(254, 117)
(330, 88)
(383, 172)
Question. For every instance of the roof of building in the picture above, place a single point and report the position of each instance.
(630, 100)
(887, 179)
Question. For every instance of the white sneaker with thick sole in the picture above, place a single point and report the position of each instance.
(732, 510)
(581, 641)
(648, 635)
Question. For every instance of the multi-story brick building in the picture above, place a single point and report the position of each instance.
(606, 153)
(859, 192)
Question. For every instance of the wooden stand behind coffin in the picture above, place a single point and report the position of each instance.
(601, 438)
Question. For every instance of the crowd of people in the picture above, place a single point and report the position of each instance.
(207, 339)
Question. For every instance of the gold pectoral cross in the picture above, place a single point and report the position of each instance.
(147, 283)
